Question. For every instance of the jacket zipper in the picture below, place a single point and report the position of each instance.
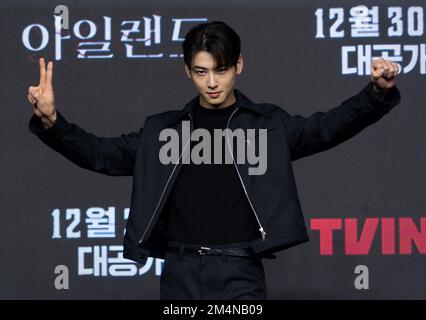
(167, 183)
(261, 229)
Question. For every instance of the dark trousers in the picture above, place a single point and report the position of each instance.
(215, 277)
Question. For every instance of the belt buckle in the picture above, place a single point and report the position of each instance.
(203, 250)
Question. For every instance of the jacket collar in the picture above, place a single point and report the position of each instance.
(242, 102)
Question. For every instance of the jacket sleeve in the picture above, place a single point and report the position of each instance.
(323, 130)
(109, 156)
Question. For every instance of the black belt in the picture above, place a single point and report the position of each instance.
(202, 251)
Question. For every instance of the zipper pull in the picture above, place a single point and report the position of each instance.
(263, 233)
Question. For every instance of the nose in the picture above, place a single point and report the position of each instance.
(212, 83)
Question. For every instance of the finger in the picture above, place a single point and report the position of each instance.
(33, 91)
(377, 71)
(376, 64)
(377, 74)
(387, 69)
(36, 111)
(42, 71)
(379, 63)
(35, 94)
(392, 70)
(396, 69)
(31, 99)
(49, 74)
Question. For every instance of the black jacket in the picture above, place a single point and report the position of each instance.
(273, 196)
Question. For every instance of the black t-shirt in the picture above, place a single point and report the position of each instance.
(207, 204)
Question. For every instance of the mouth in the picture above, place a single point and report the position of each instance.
(214, 95)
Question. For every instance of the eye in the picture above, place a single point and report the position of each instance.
(199, 72)
(221, 70)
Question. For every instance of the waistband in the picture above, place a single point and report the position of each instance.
(235, 249)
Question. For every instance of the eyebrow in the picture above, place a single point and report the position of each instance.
(199, 67)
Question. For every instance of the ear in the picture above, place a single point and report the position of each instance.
(187, 71)
(240, 64)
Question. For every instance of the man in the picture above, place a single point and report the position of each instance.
(213, 223)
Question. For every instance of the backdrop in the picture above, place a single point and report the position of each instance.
(117, 62)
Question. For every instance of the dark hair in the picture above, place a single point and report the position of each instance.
(217, 38)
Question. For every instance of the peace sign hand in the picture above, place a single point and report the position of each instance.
(42, 97)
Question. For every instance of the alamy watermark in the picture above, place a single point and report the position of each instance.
(62, 12)
(61, 281)
(176, 149)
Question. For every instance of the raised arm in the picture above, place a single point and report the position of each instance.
(110, 156)
(323, 130)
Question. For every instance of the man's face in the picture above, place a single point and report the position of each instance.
(209, 79)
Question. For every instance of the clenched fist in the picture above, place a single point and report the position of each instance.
(42, 97)
(383, 74)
